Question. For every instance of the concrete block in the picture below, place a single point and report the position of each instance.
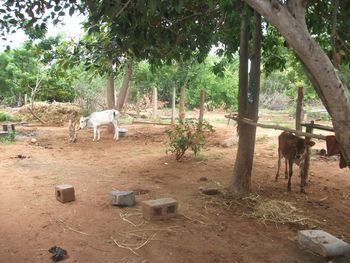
(64, 193)
(122, 198)
(322, 243)
(159, 209)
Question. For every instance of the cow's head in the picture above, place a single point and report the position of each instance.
(300, 148)
(83, 122)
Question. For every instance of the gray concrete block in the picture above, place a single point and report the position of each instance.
(159, 209)
(122, 198)
(322, 243)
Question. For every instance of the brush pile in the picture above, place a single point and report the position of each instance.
(51, 113)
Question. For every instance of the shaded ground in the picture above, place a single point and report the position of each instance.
(208, 229)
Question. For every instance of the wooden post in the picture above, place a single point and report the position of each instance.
(201, 107)
(154, 103)
(138, 104)
(25, 99)
(173, 106)
(182, 104)
(299, 109)
(305, 170)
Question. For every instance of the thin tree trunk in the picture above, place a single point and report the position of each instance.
(201, 106)
(298, 113)
(182, 113)
(154, 103)
(249, 100)
(125, 86)
(138, 104)
(110, 92)
(173, 105)
(336, 56)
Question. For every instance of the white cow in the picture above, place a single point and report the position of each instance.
(99, 118)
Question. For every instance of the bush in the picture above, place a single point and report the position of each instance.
(187, 135)
(6, 117)
(10, 137)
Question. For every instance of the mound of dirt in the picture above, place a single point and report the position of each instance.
(51, 113)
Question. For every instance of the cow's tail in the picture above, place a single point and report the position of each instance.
(115, 116)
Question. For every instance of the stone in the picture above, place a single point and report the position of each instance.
(122, 198)
(322, 243)
(33, 140)
(159, 209)
(65, 193)
(229, 142)
(209, 190)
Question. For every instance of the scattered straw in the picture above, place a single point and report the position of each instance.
(193, 219)
(129, 216)
(278, 211)
(70, 228)
(135, 245)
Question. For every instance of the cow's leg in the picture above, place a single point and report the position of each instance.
(290, 161)
(116, 130)
(98, 133)
(278, 165)
(95, 133)
(285, 168)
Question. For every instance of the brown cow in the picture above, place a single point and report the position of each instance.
(293, 149)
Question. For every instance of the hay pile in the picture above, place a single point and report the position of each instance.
(51, 113)
(278, 211)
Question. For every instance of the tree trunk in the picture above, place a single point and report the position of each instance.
(248, 99)
(110, 92)
(125, 86)
(298, 113)
(154, 103)
(182, 103)
(173, 106)
(201, 107)
(290, 21)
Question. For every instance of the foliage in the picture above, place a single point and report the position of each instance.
(187, 135)
(10, 137)
(23, 68)
(6, 117)
(89, 91)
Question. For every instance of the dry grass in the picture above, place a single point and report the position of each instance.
(277, 211)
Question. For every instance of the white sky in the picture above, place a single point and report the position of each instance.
(71, 29)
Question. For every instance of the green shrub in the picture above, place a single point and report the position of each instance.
(10, 137)
(187, 135)
(6, 117)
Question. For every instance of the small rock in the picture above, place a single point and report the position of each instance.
(122, 198)
(33, 140)
(209, 191)
(229, 142)
(203, 179)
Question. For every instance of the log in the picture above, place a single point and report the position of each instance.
(276, 127)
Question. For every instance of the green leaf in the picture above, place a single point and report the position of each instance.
(71, 11)
(57, 8)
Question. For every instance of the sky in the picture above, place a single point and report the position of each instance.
(71, 29)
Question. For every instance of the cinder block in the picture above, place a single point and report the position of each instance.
(159, 209)
(122, 198)
(64, 193)
(322, 243)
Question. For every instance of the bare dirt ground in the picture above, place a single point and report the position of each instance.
(208, 228)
